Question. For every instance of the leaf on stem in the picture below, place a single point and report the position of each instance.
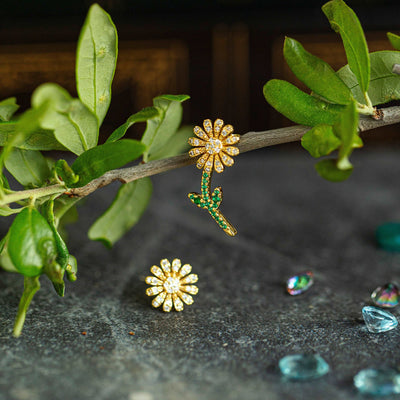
(97, 161)
(141, 116)
(128, 206)
(96, 59)
(28, 167)
(161, 129)
(299, 106)
(74, 125)
(384, 85)
(31, 244)
(394, 40)
(320, 141)
(328, 170)
(315, 73)
(7, 108)
(345, 22)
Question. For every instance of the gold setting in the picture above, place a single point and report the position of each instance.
(173, 285)
(214, 147)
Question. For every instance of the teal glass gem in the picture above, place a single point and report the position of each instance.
(386, 296)
(378, 382)
(388, 236)
(299, 283)
(303, 366)
(377, 320)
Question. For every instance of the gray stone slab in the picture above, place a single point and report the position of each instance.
(228, 343)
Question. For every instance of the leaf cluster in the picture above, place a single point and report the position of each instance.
(336, 99)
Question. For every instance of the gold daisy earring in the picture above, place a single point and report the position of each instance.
(214, 146)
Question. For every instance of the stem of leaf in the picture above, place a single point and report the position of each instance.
(31, 286)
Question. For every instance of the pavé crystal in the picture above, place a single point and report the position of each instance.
(299, 283)
(377, 320)
(386, 296)
(303, 366)
(378, 382)
(171, 285)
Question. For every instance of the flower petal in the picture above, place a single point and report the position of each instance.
(218, 164)
(192, 289)
(166, 266)
(167, 306)
(231, 150)
(232, 139)
(157, 272)
(196, 142)
(177, 302)
(200, 133)
(192, 278)
(151, 280)
(157, 301)
(186, 269)
(154, 290)
(176, 265)
(218, 124)
(209, 164)
(228, 161)
(226, 130)
(187, 298)
(208, 127)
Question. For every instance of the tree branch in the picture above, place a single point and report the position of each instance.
(249, 141)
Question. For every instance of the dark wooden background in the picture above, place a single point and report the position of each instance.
(219, 52)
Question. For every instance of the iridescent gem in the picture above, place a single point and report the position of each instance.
(388, 236)
(303, 366)
(299, 283)
(378, 382)
(386, 296)
(378, 320)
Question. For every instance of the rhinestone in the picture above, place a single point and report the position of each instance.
(177, 302)
(176, 264)
(227, 129)
(192, 289)
(171, 285)
(157, 301)
(299, 283)
(228, 161)
(150, 280)
(165, 265)
(157, 272)
(386, 296)
(232, 151)
(218, 125)
(167, 306)
(200, 133)
(186, 269)
(213, 146)
(377, 320)
(192, 278)
(303, 366)
(232, 139)
(187, 298)
(154, 290)
(378, 382)
(207, 126)
(202, 160)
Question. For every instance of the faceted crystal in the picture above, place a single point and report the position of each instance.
(386, 296)
(378, 320)
(388, 236)
(303, 366)
(213, 146)
(299, 283)
(171, 285)
(378, 382)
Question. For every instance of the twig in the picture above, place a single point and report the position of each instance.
(249, 141)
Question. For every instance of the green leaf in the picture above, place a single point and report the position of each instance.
(346, 129)
(6, 211)
(65, 172)
(141, 116)
(97, 161)
(128, 206)
(394, 40)
(96, 59)
(7, 108)
(159, 130)
(178, 144)
(320, 141)
(299, 106)
(328, 170)
(28, 167)
(344, 21)
(72, 269)
(384, 85)
(315, 73)
(31, 243)
(74, 125)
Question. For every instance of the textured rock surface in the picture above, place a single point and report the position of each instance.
(228, 343)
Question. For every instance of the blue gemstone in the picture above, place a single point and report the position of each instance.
(378, 320)
(378, 382)
(388, 236)
(303, 366)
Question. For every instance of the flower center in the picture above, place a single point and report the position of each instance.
(172, 285)
(214, 146)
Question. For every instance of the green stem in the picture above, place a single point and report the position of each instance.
(31, 286)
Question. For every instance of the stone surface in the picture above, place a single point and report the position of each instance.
(377, 320)
(227, 345)
(303, 366)
(378, 382)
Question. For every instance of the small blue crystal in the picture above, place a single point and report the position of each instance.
(378, 320)
(378, 382)
(388, 236)
(303, 366)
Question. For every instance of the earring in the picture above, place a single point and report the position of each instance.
(214, 146)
